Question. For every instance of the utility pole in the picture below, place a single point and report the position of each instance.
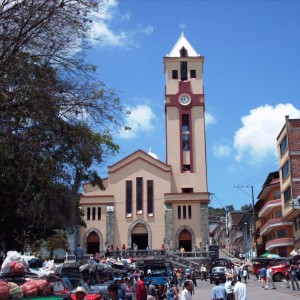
(253, 216)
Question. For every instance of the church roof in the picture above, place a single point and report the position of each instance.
(182, 42)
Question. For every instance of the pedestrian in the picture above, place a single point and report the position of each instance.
(141, 291)
(171, 291)
(270, 278)
(151, 291)
(80, 293)
(287, 276)
(218, 291)
(113, 291)
(239, 290)
(78, 252)
(229, 287)
(294, 279)
(245, 275)
(203, 272)
(160, 292)
(263, 276)
(191, 287)
(186, 293)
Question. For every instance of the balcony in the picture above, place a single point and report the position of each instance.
(279, 243)
(268, 207)
(273, 223)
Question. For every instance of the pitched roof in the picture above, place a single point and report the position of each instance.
(182, 42)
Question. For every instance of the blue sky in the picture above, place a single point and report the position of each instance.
(251, 80)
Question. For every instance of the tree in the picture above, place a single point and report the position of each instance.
(230, 208)
(56, 117)
(246, 207)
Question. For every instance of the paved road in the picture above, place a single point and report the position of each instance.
(254, 289)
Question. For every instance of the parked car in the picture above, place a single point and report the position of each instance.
(218, 272)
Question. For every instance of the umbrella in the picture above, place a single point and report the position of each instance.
(265, 255)
(273, 256)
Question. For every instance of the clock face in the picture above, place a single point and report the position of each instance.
(184, 99)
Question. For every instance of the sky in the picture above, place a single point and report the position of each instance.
(251, 80)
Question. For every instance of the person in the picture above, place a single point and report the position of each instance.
(78, 252)
(287, 276)
(160, 292)
(80, 293)
(88, 284)
(263, 276)
(239, 290)
(171, 291)
(228, 287)
(203, 272)
(129, 289)
(96, 257)
(151, 291)
(186, 293)
(270, 278)
(113, 291)
(194, 278)
(245, 275)
(191, 287)
(218, 291)
(141, 292)
(294, 279)
(121, 290)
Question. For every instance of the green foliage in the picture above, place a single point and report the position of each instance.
(56, 117)
(246, 207)
(213, 212)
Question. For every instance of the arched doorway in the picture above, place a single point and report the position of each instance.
(185, 240)
(139, 236)
(93, 243)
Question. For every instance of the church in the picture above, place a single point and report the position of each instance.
(148, 202)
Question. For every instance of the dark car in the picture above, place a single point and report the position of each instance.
(218, 272)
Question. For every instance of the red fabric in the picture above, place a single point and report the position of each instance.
(4, 290)
(141, 292)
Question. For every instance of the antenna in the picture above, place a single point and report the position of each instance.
(182, 26)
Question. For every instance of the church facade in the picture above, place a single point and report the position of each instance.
(148, 202)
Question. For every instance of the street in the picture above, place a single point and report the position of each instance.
(254, 289)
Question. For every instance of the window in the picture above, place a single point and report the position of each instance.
(99, 213)
(190, 211)
(183, 52)
(185, 123)
(186, 142)
(94, 213)
(88, 215)
(281, 233)
(297, 222)
(150, 197)
(277, 194)
(184, 212)
(174, 74)
(183, 70)
(186, 168)
(179, 212)
(139, 195)
(128, 198)
(193, 73)
(187, 190)
(278, 214)
(287, 195)
(285, 170)
(283, 145)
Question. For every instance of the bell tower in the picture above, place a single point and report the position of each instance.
(185, 119)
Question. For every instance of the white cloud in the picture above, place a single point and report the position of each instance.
(221, 150)
(209, 119)
(104, 32)
(256, 139)
(139, 120)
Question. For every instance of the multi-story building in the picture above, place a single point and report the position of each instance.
(276, 234)
(288, 144)
(148, 202)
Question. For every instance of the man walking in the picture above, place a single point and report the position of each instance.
(239, 290)
(270, 278)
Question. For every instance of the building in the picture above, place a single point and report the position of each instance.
(288, 145)
(148, 202)
(276, 234)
